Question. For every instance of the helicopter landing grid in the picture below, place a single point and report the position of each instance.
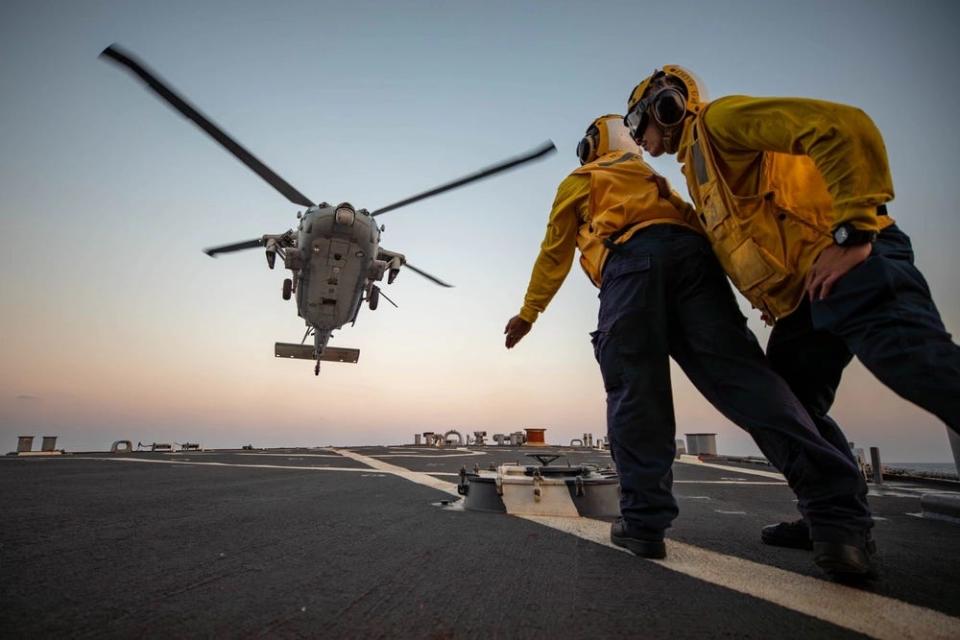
(370, 542)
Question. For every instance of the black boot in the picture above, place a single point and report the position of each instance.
(793, 535)
(796, 535)
(642, 542)
(845, 563)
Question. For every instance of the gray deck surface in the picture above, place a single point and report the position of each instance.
(101, 545)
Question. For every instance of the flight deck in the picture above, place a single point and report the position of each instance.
(373, 542)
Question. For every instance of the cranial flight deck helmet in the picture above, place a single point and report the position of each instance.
(605, 134)
(667, 103)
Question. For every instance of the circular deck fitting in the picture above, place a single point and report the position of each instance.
(560, 490)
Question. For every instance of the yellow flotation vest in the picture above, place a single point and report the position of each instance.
(766, 241)
(626, 195)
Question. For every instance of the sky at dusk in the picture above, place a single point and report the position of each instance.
(116, 326)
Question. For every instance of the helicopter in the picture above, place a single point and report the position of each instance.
(334, 254)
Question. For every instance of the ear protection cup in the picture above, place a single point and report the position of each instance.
(606, 134)
(586, 148)
(669, 106)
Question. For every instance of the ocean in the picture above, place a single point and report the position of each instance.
(935, 467)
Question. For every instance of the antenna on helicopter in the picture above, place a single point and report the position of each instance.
(396, 306)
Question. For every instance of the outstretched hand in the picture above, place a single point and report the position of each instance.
(831, 265)
(516, 328)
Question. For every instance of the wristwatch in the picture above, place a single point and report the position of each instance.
(846, 235)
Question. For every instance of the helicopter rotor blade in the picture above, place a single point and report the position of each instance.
(187, 110)
(542, 150)
(426, 275)
(236, 246)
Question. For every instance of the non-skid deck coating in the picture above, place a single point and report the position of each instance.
(354, 543)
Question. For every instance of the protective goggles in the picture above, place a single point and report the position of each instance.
(667, 106)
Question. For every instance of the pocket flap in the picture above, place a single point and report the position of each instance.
(619, 267)
(749, 267)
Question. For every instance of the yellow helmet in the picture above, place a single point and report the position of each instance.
(605, 134)
(670, 105)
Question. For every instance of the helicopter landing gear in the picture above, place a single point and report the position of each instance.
(374, 299)
(287, 288)
(316, 368)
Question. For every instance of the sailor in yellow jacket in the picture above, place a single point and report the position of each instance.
(792, 194)
(663, 295)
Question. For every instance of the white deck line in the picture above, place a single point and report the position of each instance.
(685, 459)
(854, 609)
(868, 613)
(413, 476)
(229, 464)
(285, 455)
(746, 483)
(466, 454)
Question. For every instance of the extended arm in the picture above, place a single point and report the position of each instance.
(556, 255)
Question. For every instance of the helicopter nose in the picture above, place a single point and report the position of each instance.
(345, 214)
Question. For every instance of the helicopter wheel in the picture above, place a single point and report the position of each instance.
(287, 288)
(316, 369)
(374, 298)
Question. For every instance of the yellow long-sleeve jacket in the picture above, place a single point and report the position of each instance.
(616, 191)
(772, 178)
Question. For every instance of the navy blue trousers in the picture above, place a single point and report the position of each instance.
(665, 295)
(881, 312)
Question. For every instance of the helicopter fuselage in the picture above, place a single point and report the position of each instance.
(334, 264)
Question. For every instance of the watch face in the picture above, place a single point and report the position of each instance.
(841, 234)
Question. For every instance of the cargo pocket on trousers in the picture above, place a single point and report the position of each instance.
(604, 350)
(623, 289)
